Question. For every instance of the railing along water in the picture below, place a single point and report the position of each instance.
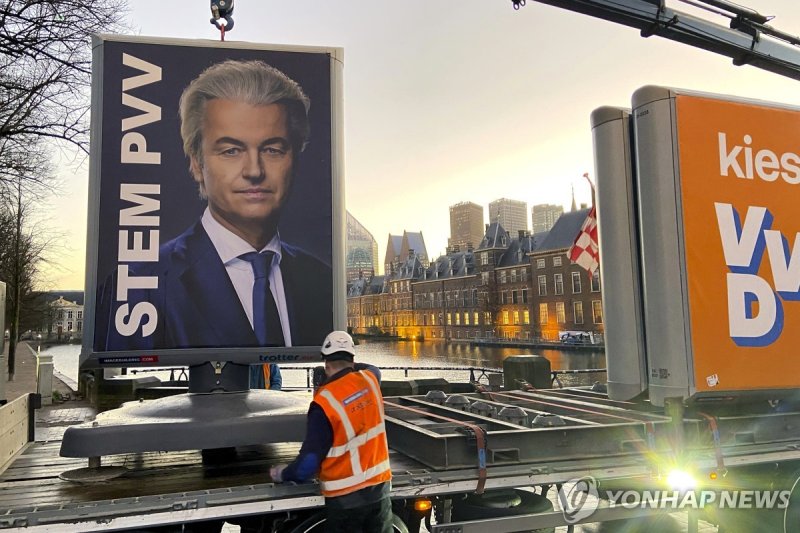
(476, 374)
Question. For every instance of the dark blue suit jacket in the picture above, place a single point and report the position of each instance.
(198, 306)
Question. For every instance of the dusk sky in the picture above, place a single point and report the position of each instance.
(451, 101)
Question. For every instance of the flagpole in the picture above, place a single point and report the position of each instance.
(591, 185)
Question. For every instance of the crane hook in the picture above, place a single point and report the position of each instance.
(222, 9)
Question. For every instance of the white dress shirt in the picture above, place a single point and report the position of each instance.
(230, 246)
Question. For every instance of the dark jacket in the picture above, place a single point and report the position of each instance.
(319, 439)
(198, 306)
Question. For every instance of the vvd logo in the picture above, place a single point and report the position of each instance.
(743, 245)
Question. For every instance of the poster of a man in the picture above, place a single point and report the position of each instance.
(243, 260)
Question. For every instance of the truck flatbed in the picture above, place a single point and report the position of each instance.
(175, 487)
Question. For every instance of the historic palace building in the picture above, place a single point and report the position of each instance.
(519, 287)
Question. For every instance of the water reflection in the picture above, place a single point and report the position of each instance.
(408, 353)
(427, 354)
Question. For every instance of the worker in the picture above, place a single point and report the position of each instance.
(346, 444)
(266, 376)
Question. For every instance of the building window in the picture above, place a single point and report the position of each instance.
(540, 263)
(595, 281)
(474, 296)
(458, 319)
(504, 297)
(577, 310)
(526, 317)
(516, 318)
(80, 315)
(487, 318)
(484, 278)
(576, 282)
(513, 276)
(557, 261)
(69, 315)
(524, 296)
(523, 274)
(502, 276)
(485, 258)
(61, 315)
(505, 318)
(514, 297)
(80, 324)
(543, 314)
(542, 285)
(561, 316)
(466, 319)
(597, 311)
(69, 326)
(558, 281)
(475, 318)
(449, 319)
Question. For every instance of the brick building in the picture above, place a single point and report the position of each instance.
(518, 287)
(567, 299)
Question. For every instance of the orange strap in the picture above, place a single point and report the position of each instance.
(712, 425)
(480, 441)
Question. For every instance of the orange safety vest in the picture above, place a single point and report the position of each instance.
(359, 456)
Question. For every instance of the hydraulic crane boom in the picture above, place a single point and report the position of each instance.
(749, 40)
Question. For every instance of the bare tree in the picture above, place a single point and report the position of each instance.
(19, 256)
(45, 67)
(45, 75)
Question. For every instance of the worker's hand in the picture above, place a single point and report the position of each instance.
(276, 473)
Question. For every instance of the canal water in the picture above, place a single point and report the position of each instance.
(418, 356)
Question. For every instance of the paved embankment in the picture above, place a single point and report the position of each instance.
(51, 420)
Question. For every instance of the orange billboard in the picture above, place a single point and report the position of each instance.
(739, 166)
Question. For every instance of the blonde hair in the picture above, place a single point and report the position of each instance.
(252, 82)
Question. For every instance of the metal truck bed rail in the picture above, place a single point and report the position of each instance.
(176, 487)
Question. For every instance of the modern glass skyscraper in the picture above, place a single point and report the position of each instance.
(362, 250)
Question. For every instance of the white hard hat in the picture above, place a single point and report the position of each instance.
(338, 342)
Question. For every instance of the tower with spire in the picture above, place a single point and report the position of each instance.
(574, 205)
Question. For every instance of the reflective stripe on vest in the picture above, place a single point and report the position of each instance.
(355, 458)
(339, 474)
(358, 440)
(338, 484)
(266, 376)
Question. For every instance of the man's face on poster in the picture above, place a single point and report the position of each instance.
(245, 166)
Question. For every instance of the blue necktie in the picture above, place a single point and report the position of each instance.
(266, 322)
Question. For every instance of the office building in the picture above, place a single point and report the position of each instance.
(466, 225)
(511, 214)
(362, 251)
(544, 216)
